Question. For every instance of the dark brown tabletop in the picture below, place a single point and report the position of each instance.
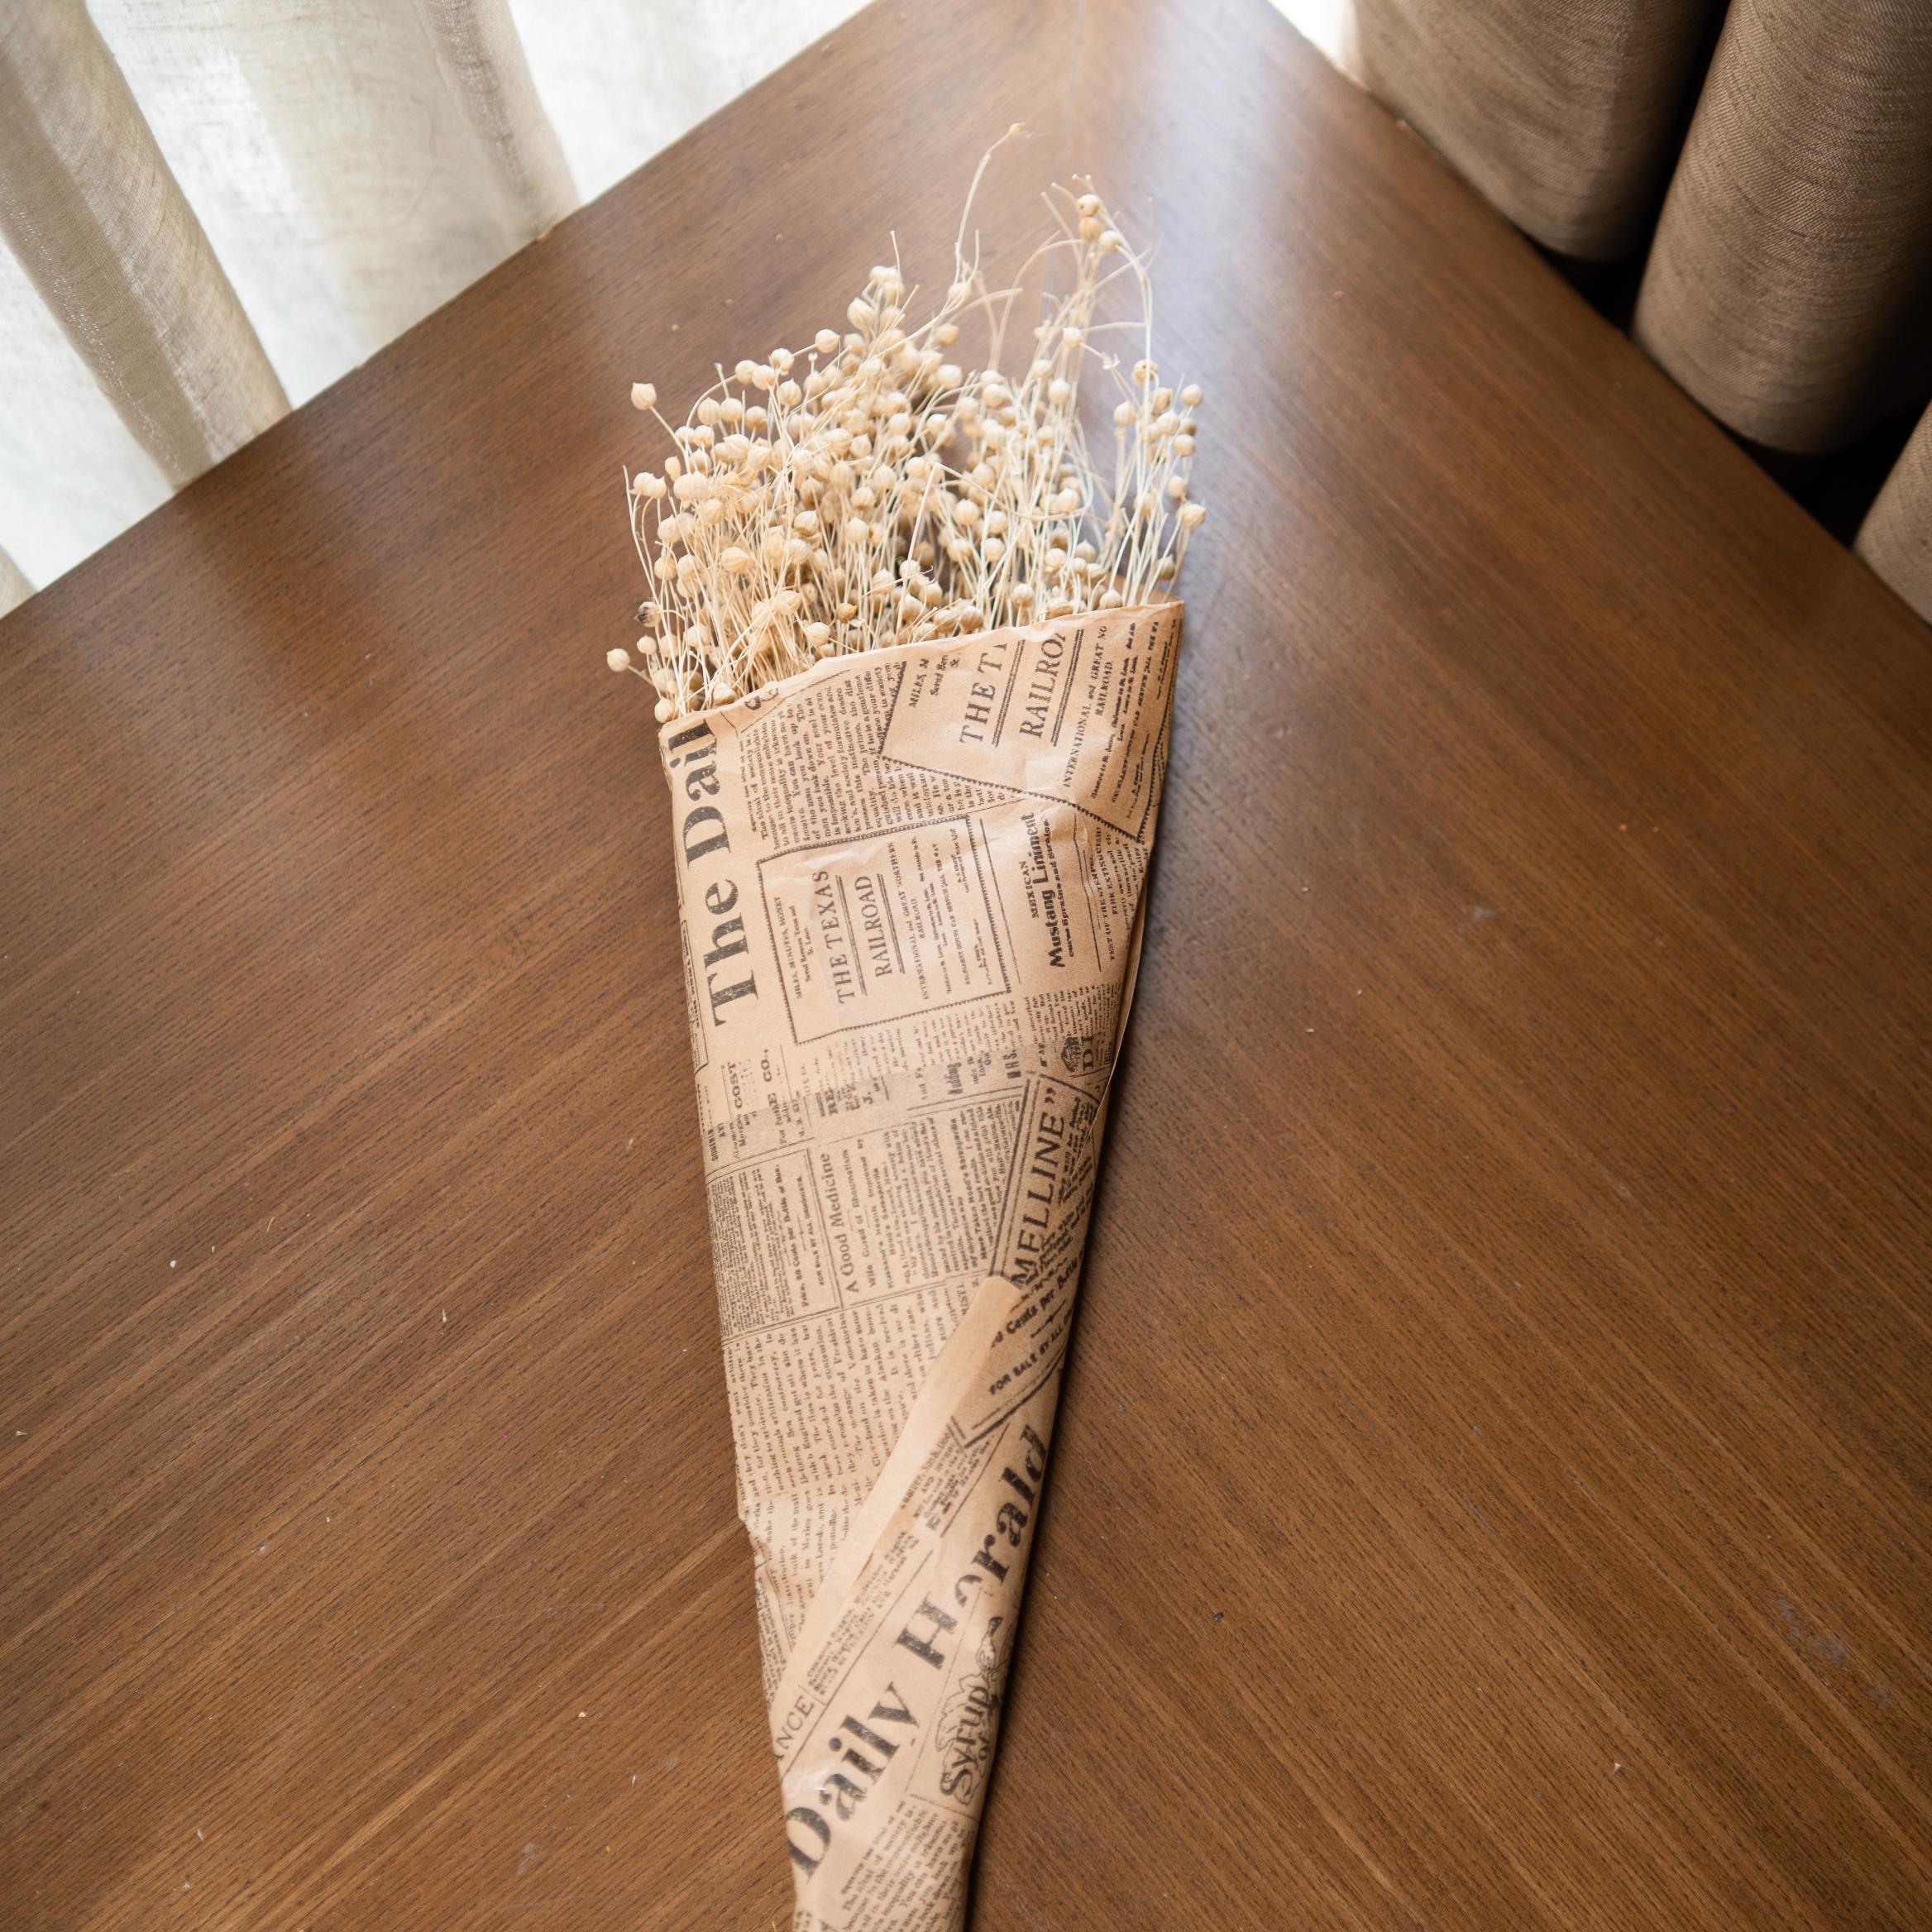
(1492, 1485)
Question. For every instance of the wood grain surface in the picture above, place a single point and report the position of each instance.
(1492, 1487)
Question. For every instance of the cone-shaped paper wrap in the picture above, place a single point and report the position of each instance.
(911, 883)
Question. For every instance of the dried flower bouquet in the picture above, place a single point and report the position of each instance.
(913, 644)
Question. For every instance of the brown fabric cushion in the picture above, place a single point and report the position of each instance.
(1562, 112)
(1896, 537)
(1790, 285)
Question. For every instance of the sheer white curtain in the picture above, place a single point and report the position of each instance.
(214, 207)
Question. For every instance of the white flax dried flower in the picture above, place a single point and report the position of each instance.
(892, 493)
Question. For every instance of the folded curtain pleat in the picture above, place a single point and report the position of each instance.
(476, 42)
(95, 216)
(1563, 116)
(1789, 287)
(1896, 538)
(14, 587)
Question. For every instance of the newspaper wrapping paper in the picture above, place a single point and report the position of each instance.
(911, 887)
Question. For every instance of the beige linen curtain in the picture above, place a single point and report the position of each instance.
(214, 207)
(1560, 111)
(1776, 157)
(14, 587)
(1896, 538)
(94, 216)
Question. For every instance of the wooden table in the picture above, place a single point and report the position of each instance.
(1493, 1486)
